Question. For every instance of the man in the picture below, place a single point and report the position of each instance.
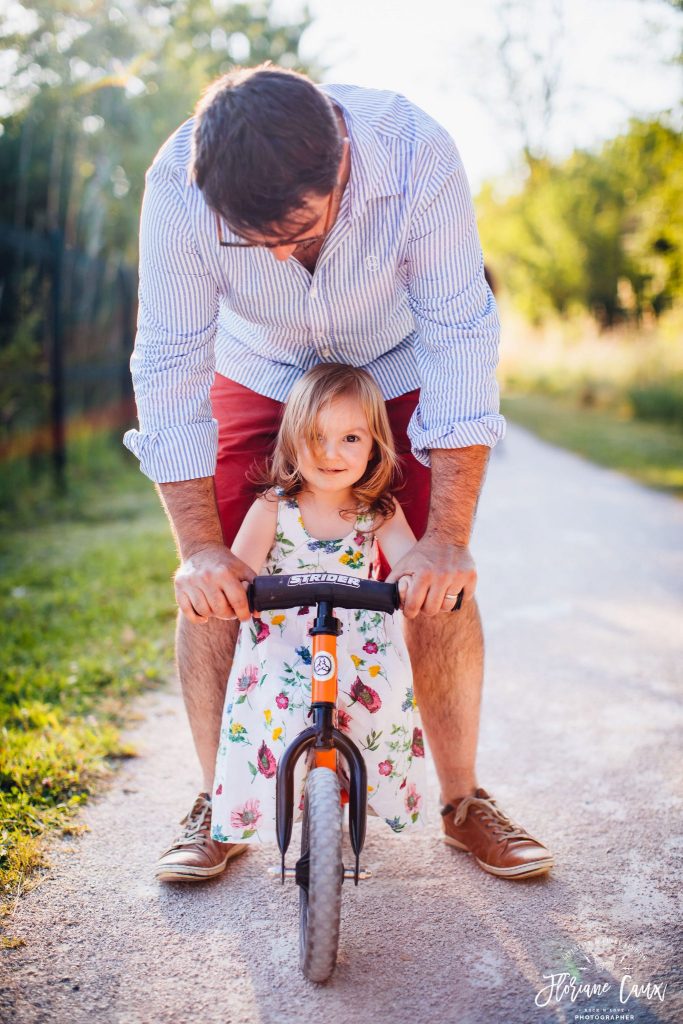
(319, 224)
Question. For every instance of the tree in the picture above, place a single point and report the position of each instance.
(600, 231)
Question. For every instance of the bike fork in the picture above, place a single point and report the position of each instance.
(325, 739)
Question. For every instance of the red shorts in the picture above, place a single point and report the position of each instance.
(247, 428)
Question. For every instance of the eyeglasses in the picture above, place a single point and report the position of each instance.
(301, 243)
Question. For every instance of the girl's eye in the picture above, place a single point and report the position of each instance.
(352, 437)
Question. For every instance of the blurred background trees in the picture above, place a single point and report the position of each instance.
(586, 247)
(599, 233)
(91, 88)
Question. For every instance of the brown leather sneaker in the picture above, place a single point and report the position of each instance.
(477, 824)
(195, 855)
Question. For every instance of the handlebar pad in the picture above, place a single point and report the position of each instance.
(308, 588)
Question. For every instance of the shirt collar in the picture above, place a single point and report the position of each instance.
(373, 174)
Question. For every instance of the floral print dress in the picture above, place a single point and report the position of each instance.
(269, 694)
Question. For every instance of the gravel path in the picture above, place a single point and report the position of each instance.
(581, 574)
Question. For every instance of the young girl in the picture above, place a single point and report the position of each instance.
(327, 502)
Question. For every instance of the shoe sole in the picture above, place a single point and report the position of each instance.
(187, 873)
(539, 867)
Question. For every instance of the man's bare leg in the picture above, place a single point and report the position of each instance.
(447, 652)
(204, 653)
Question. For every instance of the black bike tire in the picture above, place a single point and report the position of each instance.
(320, 907)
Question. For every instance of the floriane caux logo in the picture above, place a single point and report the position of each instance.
(323, 577)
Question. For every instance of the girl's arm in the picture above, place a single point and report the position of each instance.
(257, 533)
(395, 537)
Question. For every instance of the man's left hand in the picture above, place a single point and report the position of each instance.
(431, 575)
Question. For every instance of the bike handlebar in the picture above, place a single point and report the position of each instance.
(309, 588)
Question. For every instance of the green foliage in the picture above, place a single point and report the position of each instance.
(598, 232)
(659, 402)
(23, 389)
(87, 611)
(101, 477)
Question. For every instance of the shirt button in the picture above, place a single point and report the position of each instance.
(326, 353)
(313, 293)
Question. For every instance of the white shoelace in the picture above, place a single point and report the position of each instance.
(197, 825)
(490, 812)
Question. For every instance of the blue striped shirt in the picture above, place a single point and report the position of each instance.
(398, 288)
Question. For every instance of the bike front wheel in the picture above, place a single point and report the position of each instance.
(320, 903)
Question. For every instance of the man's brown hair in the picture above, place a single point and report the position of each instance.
(264, 139)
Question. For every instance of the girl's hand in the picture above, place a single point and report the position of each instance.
(212, 582)
(429, 572)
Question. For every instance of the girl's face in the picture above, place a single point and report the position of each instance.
(344, 447)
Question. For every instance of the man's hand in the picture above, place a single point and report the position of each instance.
(440, 565)
(211, 583)
(210, 580)
(431, 575)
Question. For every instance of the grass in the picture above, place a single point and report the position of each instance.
(615, 398)
(649, 452)
(87, 611)
(98, 468)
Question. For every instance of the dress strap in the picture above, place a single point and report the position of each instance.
(289, 519)
(364, 524)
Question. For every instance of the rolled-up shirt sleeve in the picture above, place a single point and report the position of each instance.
(457, 329)
(173, 361)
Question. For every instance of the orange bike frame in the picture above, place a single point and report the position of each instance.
(324, 687)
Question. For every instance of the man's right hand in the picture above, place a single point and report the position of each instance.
(211, 583)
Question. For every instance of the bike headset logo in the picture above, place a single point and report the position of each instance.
(323, 577)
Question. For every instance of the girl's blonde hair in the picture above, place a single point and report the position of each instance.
(313, 392)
